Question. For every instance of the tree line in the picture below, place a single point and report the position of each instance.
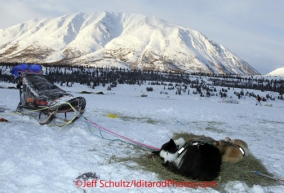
(91, 76)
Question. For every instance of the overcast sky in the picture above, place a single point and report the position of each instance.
(252, 29)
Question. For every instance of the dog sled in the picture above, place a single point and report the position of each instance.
(49, 102)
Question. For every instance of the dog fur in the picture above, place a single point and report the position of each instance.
(202, 162)
(232, 151)
(229, 149)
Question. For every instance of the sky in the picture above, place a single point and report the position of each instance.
(253, 30)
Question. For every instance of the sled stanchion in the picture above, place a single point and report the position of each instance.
(75, 117)
(49, 118)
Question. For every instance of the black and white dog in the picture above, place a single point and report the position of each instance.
(195, 159)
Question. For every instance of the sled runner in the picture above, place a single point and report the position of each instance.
(39, 95)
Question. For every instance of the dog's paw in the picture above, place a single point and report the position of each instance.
(165, 164)
(155, 152)
(152, 155)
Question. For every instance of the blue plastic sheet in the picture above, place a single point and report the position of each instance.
(23, 68)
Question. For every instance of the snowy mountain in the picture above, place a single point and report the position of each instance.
(277, 72)
(105, 39)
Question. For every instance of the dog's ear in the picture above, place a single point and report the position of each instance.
(172, 142)
(227, 139)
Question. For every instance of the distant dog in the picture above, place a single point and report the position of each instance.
(195, 159)
(232, 151)
(3, 120)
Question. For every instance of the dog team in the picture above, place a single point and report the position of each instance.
(201, 158)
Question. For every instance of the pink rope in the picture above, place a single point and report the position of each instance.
(135, 142)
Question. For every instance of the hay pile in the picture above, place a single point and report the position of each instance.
(242, 171)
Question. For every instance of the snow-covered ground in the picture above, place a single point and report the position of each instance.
(35, 158)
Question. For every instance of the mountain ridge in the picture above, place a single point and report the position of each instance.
(277, 72)
(108, 39)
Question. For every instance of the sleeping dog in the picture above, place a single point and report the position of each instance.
(232, 151)
(196, 159)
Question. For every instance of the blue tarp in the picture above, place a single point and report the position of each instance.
(34, 68)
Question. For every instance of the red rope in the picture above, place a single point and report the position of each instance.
(135, 142)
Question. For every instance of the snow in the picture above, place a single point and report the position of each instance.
(277, 72)
(35, 158)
